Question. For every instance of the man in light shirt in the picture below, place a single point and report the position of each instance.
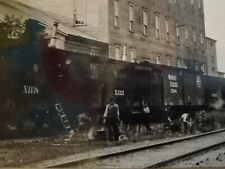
(186, 122)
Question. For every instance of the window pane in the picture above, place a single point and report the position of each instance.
(145, 17)
(116, 8)
(131, 12)
(132, 55)
(117, 53)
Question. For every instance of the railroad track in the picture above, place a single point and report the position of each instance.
(149, 156)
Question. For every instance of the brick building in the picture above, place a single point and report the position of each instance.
(211, 56)
(170, 32)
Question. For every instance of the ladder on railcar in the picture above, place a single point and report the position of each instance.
(64, 120)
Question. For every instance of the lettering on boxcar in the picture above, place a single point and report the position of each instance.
(198, 81)
(173, 91)
(30, 90)
(119, 92)
(172, 77)
(173, 83)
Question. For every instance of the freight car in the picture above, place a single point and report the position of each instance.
(39, 77)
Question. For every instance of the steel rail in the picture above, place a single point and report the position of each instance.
(132, 150)
(184, 156)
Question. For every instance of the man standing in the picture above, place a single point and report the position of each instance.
(111, 120)
(186, 124)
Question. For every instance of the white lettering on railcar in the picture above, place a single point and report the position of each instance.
(172, 77)
(173, 91)
(198, 81)
(30, 90)
(174, 84)
(119, 92)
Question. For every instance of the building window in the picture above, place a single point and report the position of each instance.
(117, 53)
(203, 68)
(125, 56)
(178, 34)
(192, 5)
(157, 26)
(213, 71)
(167, 30)
(145, 21)
(196, 66)
(178, 62)
(212, 59)
(194, 39)
(116, 13)
(158, 59)
(35, 68)
(132, 55)
(201, 38)
(131, 17)
(169, 61)
(194, 36)
(186, 37)
(199, 4)
(92, 52)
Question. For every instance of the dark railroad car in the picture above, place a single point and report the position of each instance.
(172, 86)
(214, 88)
(193, 91)
(132, 82)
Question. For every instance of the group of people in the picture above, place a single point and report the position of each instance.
(112, 119)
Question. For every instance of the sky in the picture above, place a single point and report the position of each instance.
(215, 27)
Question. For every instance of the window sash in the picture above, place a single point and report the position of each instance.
(131, 12)
(132, 55)
(145, 17)
(117, 53)
(169, 60)
(177, 31)
(156, 21)
(116, 7)
(158, 59)
(167, 26)
(199, 4)
(194, 36)
(116, 21)
(201, 38)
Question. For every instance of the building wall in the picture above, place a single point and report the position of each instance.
(97, 20)
(67, 38)
(211, 56)
(91, 13)
(62, 10)
(148, 47)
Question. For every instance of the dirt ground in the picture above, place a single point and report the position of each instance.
(23, 152)
(18, 153)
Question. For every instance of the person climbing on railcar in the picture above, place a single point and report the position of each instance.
(112, 120)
